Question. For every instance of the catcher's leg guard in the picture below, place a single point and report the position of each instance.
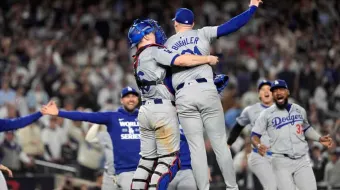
(166, 170)
(141, 178)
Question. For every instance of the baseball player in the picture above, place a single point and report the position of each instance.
(9, 125)
(184, 179)
(123, 129)
(95, 135)
(160, 137)
(260, 166)
(197, 101)
(288, 130)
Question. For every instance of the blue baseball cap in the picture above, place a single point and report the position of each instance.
(264, 82)
(278, 84)
(128, 90)
(184, 16)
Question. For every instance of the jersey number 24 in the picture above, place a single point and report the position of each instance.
(189, 51)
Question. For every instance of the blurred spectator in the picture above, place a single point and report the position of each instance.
(12, 155)
(99, 181)
(88, 99)
(21, 102)
(53, 138)
(37, 97)
(318, 162)
(232, 114)
(30, 140)
(332, 171)
(89, 159)
(109, 92)
(7, 95)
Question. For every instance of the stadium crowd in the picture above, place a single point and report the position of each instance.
(76, 52)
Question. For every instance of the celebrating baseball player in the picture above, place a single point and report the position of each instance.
(197, 113)
(123, 128)
(95, 135)
(160, 137)
(288, 129)
(260, 166)
(9, 125)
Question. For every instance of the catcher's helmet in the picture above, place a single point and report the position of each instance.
(140, 28)
(159, 33)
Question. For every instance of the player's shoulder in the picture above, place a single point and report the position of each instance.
(170, 39)
(271, 109)
(247, 109)
(298, 107)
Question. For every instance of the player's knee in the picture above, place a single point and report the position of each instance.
(165, 172)
(143, 173)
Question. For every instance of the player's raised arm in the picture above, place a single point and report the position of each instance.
(258, 129)
(169, 58)
(93, 117)
(233, 24)
(241, 122)
(12, 124)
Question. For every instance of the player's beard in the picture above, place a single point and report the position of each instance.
(129, 109)
(282, 106)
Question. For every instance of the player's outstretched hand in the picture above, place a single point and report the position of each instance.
(212, 60)
(262, 149)
(50, 109)
(7, 170)
(255, 2)
(327, 141)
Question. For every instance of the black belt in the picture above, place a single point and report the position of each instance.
(158, 101)
(200, 80)
(287, 156)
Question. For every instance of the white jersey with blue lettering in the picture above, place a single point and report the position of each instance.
(152, 65)
(285, 128)
(248, 117)
(192, 42)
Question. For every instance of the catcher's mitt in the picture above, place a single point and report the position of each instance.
(221, 81)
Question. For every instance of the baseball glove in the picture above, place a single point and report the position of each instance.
(221, 81)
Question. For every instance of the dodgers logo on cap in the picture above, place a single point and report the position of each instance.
(128, 90)
(278, 84)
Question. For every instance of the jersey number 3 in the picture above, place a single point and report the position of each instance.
(299, 129)
(189, 51)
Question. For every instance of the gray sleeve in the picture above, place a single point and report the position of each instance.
(164, 56)
(260, 124)
(208, 32)
(311, 134)
(305, 124)
(244, 119)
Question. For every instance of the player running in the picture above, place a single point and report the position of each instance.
(288, 128)
(260, 166)
(197, 113)
(123, 128)
(160, 137)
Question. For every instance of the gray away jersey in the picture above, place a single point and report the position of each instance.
(192, 42)
(248, 117)
(106, 143)
(285, 129)
(152, 65)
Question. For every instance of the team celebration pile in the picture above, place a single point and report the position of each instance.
(180, 95)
